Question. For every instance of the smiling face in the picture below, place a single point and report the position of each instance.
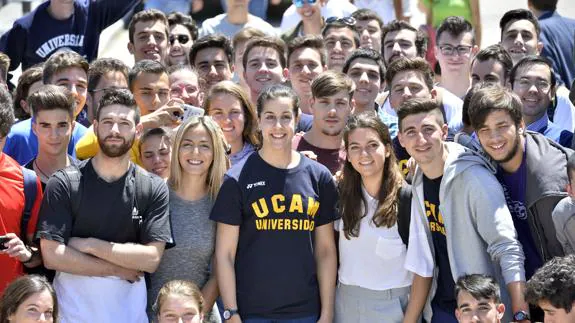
(156, 153)
(310, 12)
(176, 308)
(398, 44)
(53, 129)
(180, 44)
(340, 44)
(39, 307)
(227, 112)
(472, 310)
(533, 85)
(263, 69)
(151, 91)
(196, 151)
(150, 41)
(213, 65)
(184, 85)
(406, 85)
(519, 38)
(490, 71)
(367, 153)
(76, 81)
(304, 65)
(365, 74)
(370, 34)
(461, 48)
(331, 113)
(422, 136)
(115, 130)
(499, 136)
(277, 123)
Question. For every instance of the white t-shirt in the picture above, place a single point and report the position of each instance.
(220, 25)
(333, 8)
(85, 299)
(377, 259)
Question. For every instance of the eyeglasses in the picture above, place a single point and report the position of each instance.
(301, 3)
(460, 50)
(541, 85)
(182, 39)
(350, 21)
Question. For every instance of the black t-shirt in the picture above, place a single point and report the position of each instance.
(401, 155)
(30, 166)
(277, 211)
(445, 294)
(106, 211)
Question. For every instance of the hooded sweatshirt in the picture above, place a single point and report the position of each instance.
(479, 229)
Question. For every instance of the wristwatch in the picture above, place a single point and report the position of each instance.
(228, 313)
(520, 316)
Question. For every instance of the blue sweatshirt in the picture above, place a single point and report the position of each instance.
(37, 35)
(558, 38)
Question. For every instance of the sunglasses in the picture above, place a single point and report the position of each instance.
(182, 39)
(301, 3)
(350, 21)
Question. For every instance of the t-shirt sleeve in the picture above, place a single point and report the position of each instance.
(419, 259)
(328, 200)
(228, 206)
(13, 43)
(156, 225)
(111, 11)
(31, 229)
(55, 217)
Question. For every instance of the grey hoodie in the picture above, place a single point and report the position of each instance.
(480, 234)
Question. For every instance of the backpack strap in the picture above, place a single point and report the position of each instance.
(143, 182)
(404, 213)
(30, 193)
(74, 176)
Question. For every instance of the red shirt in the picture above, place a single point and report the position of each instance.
(12, 202)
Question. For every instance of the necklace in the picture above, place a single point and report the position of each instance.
(40, 170)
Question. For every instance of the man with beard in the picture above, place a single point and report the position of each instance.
(331, 104)
(531, 169)
(104, 223)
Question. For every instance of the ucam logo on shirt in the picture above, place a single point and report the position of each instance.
(291, 213)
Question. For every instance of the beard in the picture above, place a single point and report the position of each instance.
(512, 152)
(113, 150)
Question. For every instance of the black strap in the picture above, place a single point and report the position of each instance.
(404, 213)
(30, 193)
(143, 183)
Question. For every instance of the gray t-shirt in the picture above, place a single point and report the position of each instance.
(220, 25)
(194, 234)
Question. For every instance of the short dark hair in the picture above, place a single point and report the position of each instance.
(178, 18)
(479, 286)
(6, 112)
(339, 25)
(145, 66)
(416, 106)
(212, 41)
(52, 97)
(410, 64)
(544, 5)
(62, 60)
(270, 42)
(366, 53)
(494, 98)
(311, 41)
(455, 26)
(101, 67)
(497, 53)
(519, 14)
(121, 97)
(571, 167)
(275, 92)
(367, 14)
(421, 38)
(145, 16)
(329, 83)
(164, 133)
(554, 283)
(529, 61)
(25, 81)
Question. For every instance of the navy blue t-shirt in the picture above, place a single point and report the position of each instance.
(445, 294)
(402, 156)
(277, 211)
(514, 185)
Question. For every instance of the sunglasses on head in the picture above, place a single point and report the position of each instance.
(182, 39)
(350, 21)
(301, 3)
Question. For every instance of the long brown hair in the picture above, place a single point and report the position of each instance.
(20, 290)
(351, 197)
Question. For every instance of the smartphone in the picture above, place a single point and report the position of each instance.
(3, 240)
(191, 111)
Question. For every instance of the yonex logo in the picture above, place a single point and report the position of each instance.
(261, 183)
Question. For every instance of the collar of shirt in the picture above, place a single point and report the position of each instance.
(539, 124)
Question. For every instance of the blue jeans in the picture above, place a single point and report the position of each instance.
(309, 319)
(257, 8)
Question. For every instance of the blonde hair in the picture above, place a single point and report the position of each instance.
(220, 162)
(181, 288)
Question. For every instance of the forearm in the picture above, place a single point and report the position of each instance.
(516, 291)
(35, 259)
(210, 293)
(418, 296)
(398, 7)
(128, 255)
(326, 259)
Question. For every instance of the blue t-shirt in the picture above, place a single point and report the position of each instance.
(514, 185)
(445, 293)
(22, 143)
(277, 211)
(305, 122)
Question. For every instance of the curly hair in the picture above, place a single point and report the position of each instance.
(554, 283)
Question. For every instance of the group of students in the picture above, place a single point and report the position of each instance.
(331, 179)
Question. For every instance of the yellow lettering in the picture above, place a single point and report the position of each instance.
(440, 217)
(263, 212)
(403, 167)
(312, 206)
(312, 226)
(296, 204)
(281, 224)
(287, 224)
(259, 224)
(277, 207)
(306, 224)
(274, 224)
